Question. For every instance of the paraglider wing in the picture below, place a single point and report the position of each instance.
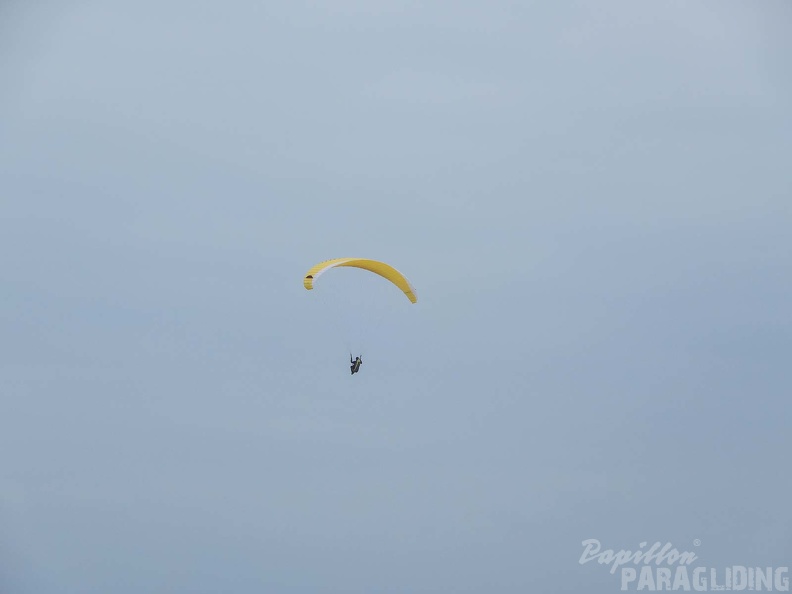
(384, 270)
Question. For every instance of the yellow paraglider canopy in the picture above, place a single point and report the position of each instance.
(384, 270)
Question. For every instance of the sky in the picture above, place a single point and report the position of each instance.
(592, 200)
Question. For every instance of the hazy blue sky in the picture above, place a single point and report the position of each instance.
(593, 200)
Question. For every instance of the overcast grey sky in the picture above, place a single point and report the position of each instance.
(593, 201)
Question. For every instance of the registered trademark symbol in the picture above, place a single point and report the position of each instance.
(697, 543)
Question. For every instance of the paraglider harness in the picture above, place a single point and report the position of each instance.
(356, 363)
